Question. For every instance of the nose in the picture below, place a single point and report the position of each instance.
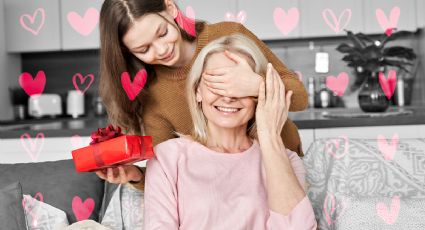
(161, 49)
(229, 99)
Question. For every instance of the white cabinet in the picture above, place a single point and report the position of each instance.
(272, 19)
(372, 132)
(420, 15)
(32, 25)
(211, 11)
(307, 138)
(330, 17)
(80, 24)
(383, 14)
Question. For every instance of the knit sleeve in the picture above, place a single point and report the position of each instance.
(157, 126)
(160, 197)
(299, 100)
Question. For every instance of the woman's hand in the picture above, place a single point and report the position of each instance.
(236, 81)
(121, 174)
(273, 105)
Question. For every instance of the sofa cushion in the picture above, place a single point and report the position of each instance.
(12, 215)
(78, 194)
(40, 215)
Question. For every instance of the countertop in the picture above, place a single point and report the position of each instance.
(308, 119)
(340, 117)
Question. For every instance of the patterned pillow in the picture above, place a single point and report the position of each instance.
(43, 216)
(342, 167)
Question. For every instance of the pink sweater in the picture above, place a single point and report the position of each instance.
(189, 186)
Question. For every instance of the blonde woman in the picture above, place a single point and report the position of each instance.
(234, 171)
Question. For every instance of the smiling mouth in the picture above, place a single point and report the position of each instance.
(169, 56)
(227, 109)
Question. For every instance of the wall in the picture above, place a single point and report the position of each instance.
(10, 67)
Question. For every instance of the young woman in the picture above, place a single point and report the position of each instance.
(145, 34)
(233, 172)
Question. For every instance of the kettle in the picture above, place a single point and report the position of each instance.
(75, 103)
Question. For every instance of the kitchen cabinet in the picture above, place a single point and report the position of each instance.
(210, 11)
(80, 24)
(372, 132)
(32, 25)
(382, 14)
(420, 15)
(330, 17)
(272, 19)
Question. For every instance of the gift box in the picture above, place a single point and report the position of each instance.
(111, 148)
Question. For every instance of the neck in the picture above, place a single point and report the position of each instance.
(187, 51)
(224, 140)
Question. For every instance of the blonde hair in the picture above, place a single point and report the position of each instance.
(237, 43)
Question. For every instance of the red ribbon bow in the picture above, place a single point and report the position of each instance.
(104, 134)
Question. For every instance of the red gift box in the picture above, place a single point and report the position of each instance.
(108, 150)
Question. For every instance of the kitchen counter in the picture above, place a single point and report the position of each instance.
(354, 117)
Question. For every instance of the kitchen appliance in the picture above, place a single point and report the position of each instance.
(41, 105)
(75, 103)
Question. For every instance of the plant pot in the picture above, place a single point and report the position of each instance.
(371, 96)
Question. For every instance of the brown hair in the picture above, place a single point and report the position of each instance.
(116, 17)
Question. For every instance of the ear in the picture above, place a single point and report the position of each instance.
(171, 8)
(198, 95)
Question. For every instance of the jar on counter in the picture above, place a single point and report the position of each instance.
(99, 108)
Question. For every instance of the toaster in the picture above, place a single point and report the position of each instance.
(42, 105)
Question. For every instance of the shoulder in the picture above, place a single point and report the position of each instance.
(171, 149)
(226, 28)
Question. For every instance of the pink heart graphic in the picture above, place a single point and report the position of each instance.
(300, 75)
(29, 209)
(339, 84)
(388, 150)
(389, 215)
(241, 17)
(33, 86)
(84, 25)
(332, 215)
(38, 12)
(286, 22)
(82, 80)
(332, 146)
(82, 211)
(335, 24)
(33, 148)
(388, 84)
(133, 88)
(388, 24)
(190, 13)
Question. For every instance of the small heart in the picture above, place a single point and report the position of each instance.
(335, 25)
(386, 23)
(286, 22)
(388, 84)
(190, 13)
(389, 32)
(388, 150)
(82, 210)
(28, 205)
(339, 84)
(332, 147)
(84, 25)
(31, 147)
(241, 17)
(389, 215)
(33, 86)
(38, 14)
(300, 75)
(336, 209)
(133, 89)
(82, 80)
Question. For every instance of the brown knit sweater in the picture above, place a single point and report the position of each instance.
(166, 109)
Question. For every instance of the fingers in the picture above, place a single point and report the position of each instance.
(122, 175)
(269, 83)
(234, 57)
(217, 71)
(262, 94)
(220, 92)
(208, 78)
(288, 99)
(101, 174)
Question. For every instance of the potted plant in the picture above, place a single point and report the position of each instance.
(368, 57)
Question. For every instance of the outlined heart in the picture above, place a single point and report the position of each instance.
(339, 84)
(286, 22)
(84, 25)
(332, 147)
(333, 22)
(388, 150)
(388, 24)
(82, 80)
(132, 89)
(388, 84)
(82, 210)
(33, 86)
(241, 17)
(389, 215)
(29, 207)
(337, 209)
(32, 20)
(31, 147)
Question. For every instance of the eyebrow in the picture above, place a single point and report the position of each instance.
(156, 33)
